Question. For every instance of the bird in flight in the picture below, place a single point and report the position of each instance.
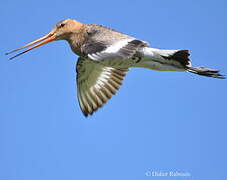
(105, 56)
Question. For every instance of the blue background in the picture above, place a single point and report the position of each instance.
(158, 121)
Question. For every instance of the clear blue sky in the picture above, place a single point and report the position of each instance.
(158, 121)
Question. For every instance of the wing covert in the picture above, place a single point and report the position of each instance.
(120, 49)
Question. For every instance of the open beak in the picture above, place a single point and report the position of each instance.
(43, 40)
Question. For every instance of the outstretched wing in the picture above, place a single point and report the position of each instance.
(118, 49)
(96, 84)
(105, 43)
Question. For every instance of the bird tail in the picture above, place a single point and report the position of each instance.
(165, 60)
(174, 60)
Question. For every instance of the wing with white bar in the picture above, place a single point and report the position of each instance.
(120, 49)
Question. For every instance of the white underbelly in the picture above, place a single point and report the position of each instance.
(150, 59)
(156, 65)
(145, 62)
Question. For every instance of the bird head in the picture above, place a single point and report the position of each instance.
(65, 28)
(61, 31)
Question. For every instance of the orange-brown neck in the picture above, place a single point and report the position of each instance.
(76, 40)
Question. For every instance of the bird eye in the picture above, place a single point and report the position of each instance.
(62, 25)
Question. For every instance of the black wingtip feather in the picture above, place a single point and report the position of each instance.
(182, 56)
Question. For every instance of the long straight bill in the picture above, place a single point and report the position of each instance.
(46, 39)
